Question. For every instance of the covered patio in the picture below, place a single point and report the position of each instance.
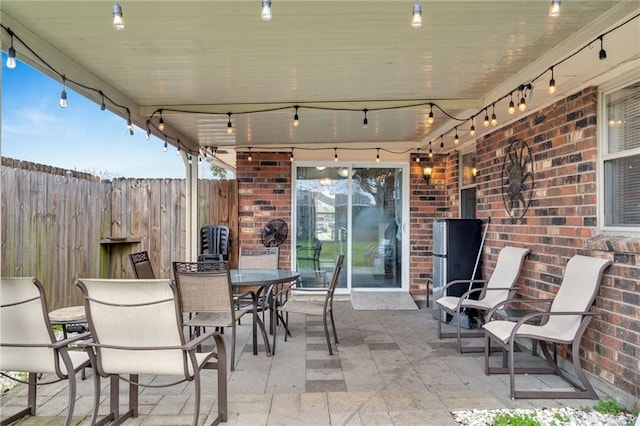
(390, 369)
(211, 80)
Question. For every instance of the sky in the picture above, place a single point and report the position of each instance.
(80, 137)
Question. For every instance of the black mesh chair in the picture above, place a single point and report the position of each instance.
(141, 265)
(214, 243)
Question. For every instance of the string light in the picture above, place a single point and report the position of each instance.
(178, 148)
(335, 155)
(441, 141)
(189, 158)
(552, 84)
(266, 10)
(365, 121)
(485, 122)
(603, 53)
(161, 122)
(291, 156)
(229, 125)
(416, 15)
(456, 139)
(554, 9)
(512, 106)
(249, 157)
(418, 156)
(494, 119)
(103, 106)
(296, 120)
(63, 94)
(430, 151)
(118, 17)
(522, 105)
(472, 130)
(378, 155)
(129, 123)
(148, 133)
(11, 54)
(430, 118)
(165, 147)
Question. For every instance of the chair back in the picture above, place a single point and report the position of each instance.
(258, 258)
(24, 320)
(577, 292)
(126, 315)
(203, 287)
(142, 265)
(505, 274)
(334, 281)
(214, 240)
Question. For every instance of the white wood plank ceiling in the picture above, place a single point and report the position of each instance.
(219, 57)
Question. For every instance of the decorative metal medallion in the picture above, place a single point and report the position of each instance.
(517, 179)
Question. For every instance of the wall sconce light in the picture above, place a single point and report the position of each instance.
(426, 174)
(474, 172)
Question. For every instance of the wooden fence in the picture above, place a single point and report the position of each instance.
(56, 224)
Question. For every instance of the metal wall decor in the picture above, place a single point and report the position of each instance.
(517, 179)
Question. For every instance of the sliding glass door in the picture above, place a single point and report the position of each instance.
(352, 209)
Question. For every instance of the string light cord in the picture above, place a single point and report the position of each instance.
(523, 88)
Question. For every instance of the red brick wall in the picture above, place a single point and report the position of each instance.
(560, 223)
(264, 193)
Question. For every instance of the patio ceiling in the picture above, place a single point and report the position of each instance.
(342, 56)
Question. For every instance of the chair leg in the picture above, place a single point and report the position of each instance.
(233, 347)
(439, 322)
(333, 325)
(196, 383)
(326, 333)
(31, 398)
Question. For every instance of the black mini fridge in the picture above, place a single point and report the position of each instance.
(456, 243)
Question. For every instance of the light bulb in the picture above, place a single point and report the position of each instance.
(485, 122)
(554, 9)
(178, 150)
(165, 147)
(229, 125)
(118, 18)
(494, 120)
(378, 155)
(266, 10)
(472, 130)
(63, 99)
(430, 119)
(161, 123)
(365, 121)
(296, 119)
(552, 86)
(11, 57)
(130, 126)
(522, 106)
(416, 18)
(456, 139)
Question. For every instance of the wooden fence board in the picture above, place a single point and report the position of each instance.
(53, 221)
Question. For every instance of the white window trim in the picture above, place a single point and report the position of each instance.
(602, 131)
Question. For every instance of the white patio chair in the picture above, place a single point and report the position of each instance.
(324, 309)
(500, 287)
(27, 343)
(137, 330)
(564, 323)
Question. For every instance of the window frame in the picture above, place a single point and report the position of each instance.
(604, 155)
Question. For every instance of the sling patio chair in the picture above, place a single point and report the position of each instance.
(256, 258)
(28, 344)
(156, 346)
(500, 287)
(206, 298)
(141, 265)
(564, 322)
(324, 309)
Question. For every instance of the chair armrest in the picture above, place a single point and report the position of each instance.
(527, 318)
(510, 301)
(450, 283)
(198, 340)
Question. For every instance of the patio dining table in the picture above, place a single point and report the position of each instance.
(257, 283)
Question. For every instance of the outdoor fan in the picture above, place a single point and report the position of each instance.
(274, 233)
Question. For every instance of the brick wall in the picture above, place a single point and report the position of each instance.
(560, 223)
(264, 193)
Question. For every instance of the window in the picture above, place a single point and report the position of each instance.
(468, 185)
(620, 158)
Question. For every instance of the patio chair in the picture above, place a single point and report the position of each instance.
(206, 298)
(27, 343)
(500, 287)
(214, 243)
(311, 253)
(155, 346)
(563, 323)
(256, 258)
(141, 265)
(324, 309)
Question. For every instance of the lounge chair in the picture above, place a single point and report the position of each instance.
(497, 289)
(563, 323)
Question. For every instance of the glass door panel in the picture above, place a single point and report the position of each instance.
(375, 225)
